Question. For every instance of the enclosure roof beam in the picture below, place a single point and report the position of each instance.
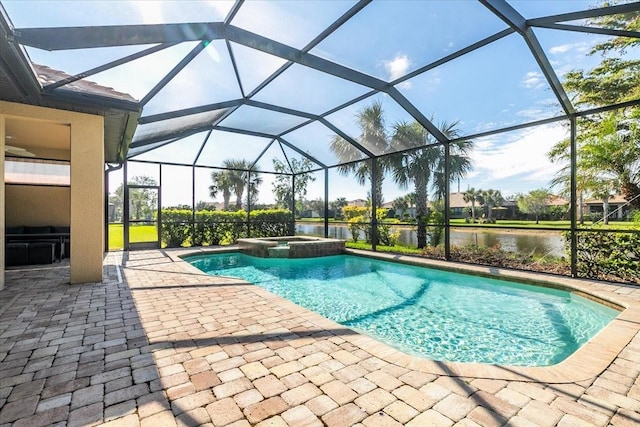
(299, 151)
(174, 72)
(108, 66)
(266, 148)
(189, 111)
(454, 55)
(515, 20)
(591, 30)
(279, 109)
(65, 38)
(233, 12)
(346, 137)
(585, 14)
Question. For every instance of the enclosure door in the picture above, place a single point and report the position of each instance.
(142, 220)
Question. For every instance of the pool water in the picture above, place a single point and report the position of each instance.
(429, 313)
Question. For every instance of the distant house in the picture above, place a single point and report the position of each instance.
(357, 202)
(461, 209)
(618, 208)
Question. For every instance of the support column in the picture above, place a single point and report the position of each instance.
(2, 202)
(87, 197)
(574, 194)
(374, 203)
(293, 205)
(447, 202)
(326, 203)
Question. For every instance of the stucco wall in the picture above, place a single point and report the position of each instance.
(37, 205)
(87, 184)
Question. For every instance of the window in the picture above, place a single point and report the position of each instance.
(37, 172)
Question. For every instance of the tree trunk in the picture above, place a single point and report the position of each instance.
(227, 198)
(580, 209)
(421, 210)
(378, 188)
(605, 211)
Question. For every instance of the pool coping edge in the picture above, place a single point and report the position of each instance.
(586, 363)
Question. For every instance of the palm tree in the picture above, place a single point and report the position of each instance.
(425, 164)
(255, 180)
(400, 205)
(234, 180)
(491, 199)
(373, 136)
(561, 153)
(603, 189)
(472, 196)
(221, 183)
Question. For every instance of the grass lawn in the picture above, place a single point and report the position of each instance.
(137, 233)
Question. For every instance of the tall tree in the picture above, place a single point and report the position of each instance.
(615, 79)
(282, 186)
(234, 180)
(221, 182)
(400, 204)
(337, 205)
(143, 202)
(373, 136)
(238, 170)
(535, 203)
(472, 196)
(425, 165)
(491, 199)
(560, 153)
(603, 190)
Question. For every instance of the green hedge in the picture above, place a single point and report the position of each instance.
(217, 227)
(608, 256)
(176, 227)
(221, 227)
(271, 223)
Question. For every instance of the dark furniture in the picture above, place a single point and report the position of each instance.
(44, 244)
(41, 252)
(16, 254)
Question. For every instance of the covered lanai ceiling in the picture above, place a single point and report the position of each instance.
(274, 79)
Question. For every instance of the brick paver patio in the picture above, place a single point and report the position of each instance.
(159, 344)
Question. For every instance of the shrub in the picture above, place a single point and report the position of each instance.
(355, 225)
(176, 227)
(217, 227)
(607, 256)
(350, 212)
(271, 223)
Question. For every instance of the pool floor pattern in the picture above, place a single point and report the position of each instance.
(159, 344)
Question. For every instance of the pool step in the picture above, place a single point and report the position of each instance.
(280, 251)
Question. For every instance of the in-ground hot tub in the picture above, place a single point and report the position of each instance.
(291, 247)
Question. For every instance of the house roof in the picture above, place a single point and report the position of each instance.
(24, 82)
(615, 199)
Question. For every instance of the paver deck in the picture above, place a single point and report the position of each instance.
(159, 344)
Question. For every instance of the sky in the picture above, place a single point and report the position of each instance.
(495, 86)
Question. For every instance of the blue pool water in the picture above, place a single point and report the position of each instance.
(430, 313)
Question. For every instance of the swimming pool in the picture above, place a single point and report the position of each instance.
(425, 312)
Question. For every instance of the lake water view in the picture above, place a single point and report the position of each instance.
(536, 242)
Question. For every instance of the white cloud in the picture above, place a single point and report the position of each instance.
(581, 48)
(555, 50)
(397, 67)
(518, 160)
(221, 7)
(533, 80)
(151, 11)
